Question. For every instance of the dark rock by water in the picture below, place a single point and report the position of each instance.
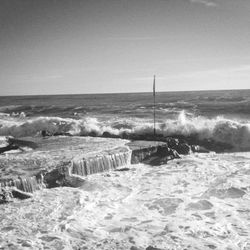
(8, 193)
(54, 178)
(183, 148)
(14, 144)
(153, 248)
(5, 196)
(154, 155)
(16, 193)
(122, 169)
(109, 135)
(8, 148)
(22, 143)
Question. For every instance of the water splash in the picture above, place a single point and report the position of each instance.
(219, 129)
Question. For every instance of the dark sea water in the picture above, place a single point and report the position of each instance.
(221, 115)
(230, 103)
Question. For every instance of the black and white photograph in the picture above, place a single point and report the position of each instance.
(125, 124)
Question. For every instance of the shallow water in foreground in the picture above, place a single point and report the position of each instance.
(198, 202)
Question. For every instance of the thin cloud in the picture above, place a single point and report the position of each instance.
(131, 38)
(40, 78)
(205, 2)
(243, 70)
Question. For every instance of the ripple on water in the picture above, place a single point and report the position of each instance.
(231, 192)
(200, 205)
(164, 206)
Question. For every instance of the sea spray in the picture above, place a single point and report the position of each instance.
(219, 129)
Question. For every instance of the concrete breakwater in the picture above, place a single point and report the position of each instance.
(66, 161)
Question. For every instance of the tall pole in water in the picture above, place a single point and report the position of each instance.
(154, 103)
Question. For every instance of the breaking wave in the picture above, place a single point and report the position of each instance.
(218, 129)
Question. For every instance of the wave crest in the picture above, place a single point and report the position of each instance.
(218, 129)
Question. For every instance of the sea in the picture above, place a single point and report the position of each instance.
(201, 201)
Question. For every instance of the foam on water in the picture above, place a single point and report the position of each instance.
(233, 132)
(3, 141)
(198, 202)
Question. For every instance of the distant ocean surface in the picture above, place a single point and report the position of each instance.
(221, 115)
(201, 201)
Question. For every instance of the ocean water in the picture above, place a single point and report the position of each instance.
(221, 115)
(201, 201)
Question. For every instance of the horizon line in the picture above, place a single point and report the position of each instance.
(136, 92)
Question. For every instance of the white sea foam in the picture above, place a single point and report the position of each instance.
(3, 141)
(197, 202)
(219, 129)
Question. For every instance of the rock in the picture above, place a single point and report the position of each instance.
(135, 248)
(22, 143)
(157, 154)
(172, 142)
(164, 151)
(175, 154)
(93, 134)
(125, 135)
(152, 248)
(161, 156)
(4, 201)
(54, 178)
(62, 134)
(147, 137)
(183, 149)
(8, 193)
(20, 194)
(61, 176)
(109, 135)
(139, 155)
(122, 169)
(17, 144)
(72, 180)
(5, 196)
(45, 133)
(8, 148)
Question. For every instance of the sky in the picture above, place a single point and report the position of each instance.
(114, 46)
